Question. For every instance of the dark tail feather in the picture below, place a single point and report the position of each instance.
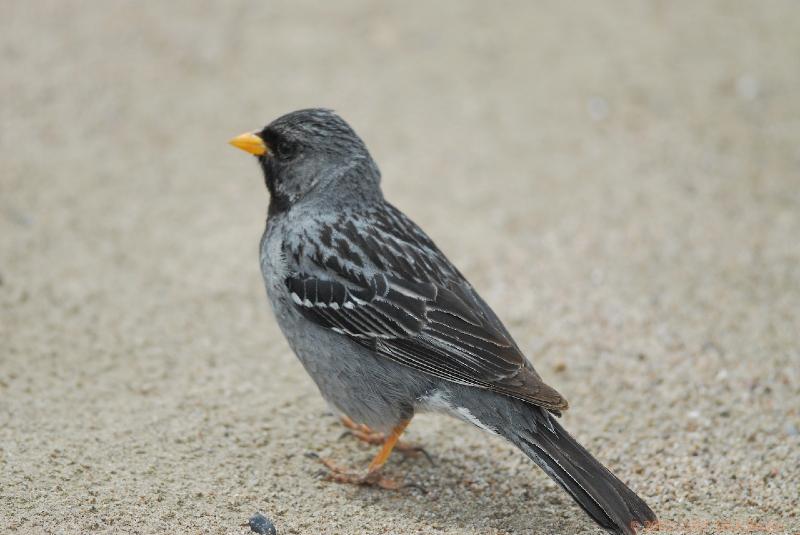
(604, 497)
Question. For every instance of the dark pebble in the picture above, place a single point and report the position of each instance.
(262, 525)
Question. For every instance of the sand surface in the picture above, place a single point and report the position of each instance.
(620, 180)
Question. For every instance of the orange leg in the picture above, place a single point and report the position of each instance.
(376, 438)
(351, 425)
(388, 446)
(373, 475)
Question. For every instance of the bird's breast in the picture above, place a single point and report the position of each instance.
(273, 262)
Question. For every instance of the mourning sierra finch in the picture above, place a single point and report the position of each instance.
(387, 327)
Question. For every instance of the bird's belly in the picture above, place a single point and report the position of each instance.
(370, 389)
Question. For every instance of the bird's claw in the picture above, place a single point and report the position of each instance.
(373, 478)
(413, 450)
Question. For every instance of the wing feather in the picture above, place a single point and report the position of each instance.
(398, 295)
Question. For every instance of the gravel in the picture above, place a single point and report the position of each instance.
(619, 180)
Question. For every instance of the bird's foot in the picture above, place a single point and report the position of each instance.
(376, 438)
(373, 478)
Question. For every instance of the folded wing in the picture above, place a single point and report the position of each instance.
(423, 325)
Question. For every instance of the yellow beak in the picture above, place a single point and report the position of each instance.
(250, 143)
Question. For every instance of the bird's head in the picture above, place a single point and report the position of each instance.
(312, 153)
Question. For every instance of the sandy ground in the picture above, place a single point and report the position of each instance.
(635, 164)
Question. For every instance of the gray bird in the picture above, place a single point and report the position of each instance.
(387, 327)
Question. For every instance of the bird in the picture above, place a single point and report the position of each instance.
(387, 327)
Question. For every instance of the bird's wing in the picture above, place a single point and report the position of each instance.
(379, 280)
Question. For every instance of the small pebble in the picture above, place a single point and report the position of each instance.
(262, 525)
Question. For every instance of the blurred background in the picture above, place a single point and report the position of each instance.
(636, 163)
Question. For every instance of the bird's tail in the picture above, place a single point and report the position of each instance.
(599, 492)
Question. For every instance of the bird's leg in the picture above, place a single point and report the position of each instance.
(373, 475)
(362, 432)
(367, 435)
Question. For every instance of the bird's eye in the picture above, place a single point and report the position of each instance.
(286, 149)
